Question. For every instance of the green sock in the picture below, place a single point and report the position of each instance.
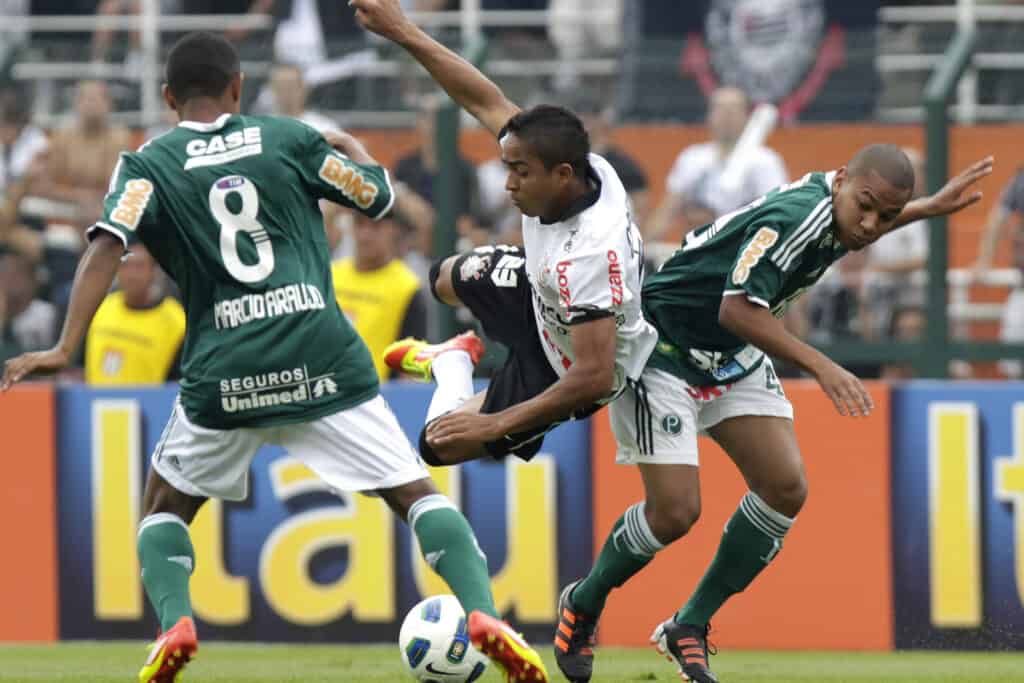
(449, 546)
(752, 539)
(167, 560)
(627, 550)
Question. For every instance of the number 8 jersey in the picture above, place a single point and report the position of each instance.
(229, 210)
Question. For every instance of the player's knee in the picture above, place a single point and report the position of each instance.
(787, 495)
(673, 519)
(441, 285)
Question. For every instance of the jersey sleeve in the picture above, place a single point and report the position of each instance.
(333, 176)
(590, 285)
(755, 273)
(131, 203)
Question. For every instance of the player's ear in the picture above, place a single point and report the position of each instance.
(840, 179)
(565, 172)
(236, 87)
(169, 98)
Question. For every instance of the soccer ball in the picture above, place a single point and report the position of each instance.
(434, 643)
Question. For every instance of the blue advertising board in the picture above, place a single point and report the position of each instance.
(958, 515)
(294, 562)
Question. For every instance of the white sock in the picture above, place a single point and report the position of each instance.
(453, 372)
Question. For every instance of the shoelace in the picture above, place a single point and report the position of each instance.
(711, 648)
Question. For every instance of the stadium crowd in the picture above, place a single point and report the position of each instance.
(52, 184)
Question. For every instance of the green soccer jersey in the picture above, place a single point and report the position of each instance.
(229, 210)
(769, 251)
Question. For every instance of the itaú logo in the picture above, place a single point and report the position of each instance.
(563, 283)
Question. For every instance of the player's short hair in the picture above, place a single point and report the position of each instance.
(201, 64)
(889, 161)
(555, 135)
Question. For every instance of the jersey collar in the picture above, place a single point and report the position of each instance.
(206, 127)
(583, 202)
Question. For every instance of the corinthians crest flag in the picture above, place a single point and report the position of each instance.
(813, 59)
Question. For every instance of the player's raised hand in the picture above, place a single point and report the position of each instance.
(383, 17)
(846, 391)
(20, 367)
(956, 194)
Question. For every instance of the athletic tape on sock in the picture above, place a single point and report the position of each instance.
(772, 522)
(161, 518)
(639, 538)
(427, 504)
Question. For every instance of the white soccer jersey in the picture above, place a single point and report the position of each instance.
(589, 266)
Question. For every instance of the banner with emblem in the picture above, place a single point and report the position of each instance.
(800, 55)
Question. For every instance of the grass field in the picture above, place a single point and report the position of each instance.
(234, 663)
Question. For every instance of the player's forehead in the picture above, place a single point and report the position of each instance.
(514, 150)
(872, 187)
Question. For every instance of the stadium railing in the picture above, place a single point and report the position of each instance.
(996, 25)
(469, 24)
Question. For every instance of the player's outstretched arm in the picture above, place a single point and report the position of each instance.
(93, 278)
(461, 80)
(349, 146)
(757, 325)
(954, 195)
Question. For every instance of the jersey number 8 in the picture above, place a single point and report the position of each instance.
(231, 224)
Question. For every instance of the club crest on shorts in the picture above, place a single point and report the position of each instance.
(473, 267)
(672, 424)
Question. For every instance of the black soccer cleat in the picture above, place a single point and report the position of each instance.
(574, 639)
(687, 645)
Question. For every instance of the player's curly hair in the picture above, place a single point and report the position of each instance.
(201, 64)
(555, 135)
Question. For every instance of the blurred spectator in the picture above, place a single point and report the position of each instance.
(500, 220)
(136, 335)
(694, 187)
(12, 37)
(289, 94)
(379, 294)
(893, 260)
(581, 29)
(236, 35)
(103, 39)
(1007, 213)
(419, 170)
(23, 149)
(20, 141)
(313, 31)
(906, 324)
(836, 310)
(26, 323)
(83, 155)
(599, 120)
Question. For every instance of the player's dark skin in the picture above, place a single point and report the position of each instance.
(537, 191)
(765, 449)
(95, 275)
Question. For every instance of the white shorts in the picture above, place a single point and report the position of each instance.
(658, 420)
(358, 449)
